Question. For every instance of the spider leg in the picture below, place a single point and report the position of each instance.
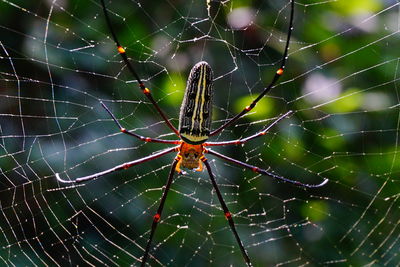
(157, 216)
(228, 215)
(143, 138)
(122, 166)
(276, 77)
(244, 140)
(145, 90)
(265, 172)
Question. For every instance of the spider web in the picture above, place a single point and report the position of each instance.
(58, 62)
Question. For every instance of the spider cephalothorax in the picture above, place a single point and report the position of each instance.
(194, 131)
(190, 157)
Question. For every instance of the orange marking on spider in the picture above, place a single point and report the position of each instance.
(248, 108)
(157, 217)
(178, 165)
(146, 91)
(200, 168)
(123, 130)
(279, 71)
(147, 139)
(121, 50)
(228, 215)
(177, 149)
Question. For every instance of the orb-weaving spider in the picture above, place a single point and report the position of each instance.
(194, 130)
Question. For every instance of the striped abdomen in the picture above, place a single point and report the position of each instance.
(195, 115)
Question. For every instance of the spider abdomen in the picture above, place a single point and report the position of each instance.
(196, 108)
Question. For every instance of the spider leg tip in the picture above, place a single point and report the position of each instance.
(59, 178)
(324, 182)
(63, 181)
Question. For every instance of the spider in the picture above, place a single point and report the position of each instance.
(194, 130)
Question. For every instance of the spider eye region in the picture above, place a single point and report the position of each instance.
(190, 155)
